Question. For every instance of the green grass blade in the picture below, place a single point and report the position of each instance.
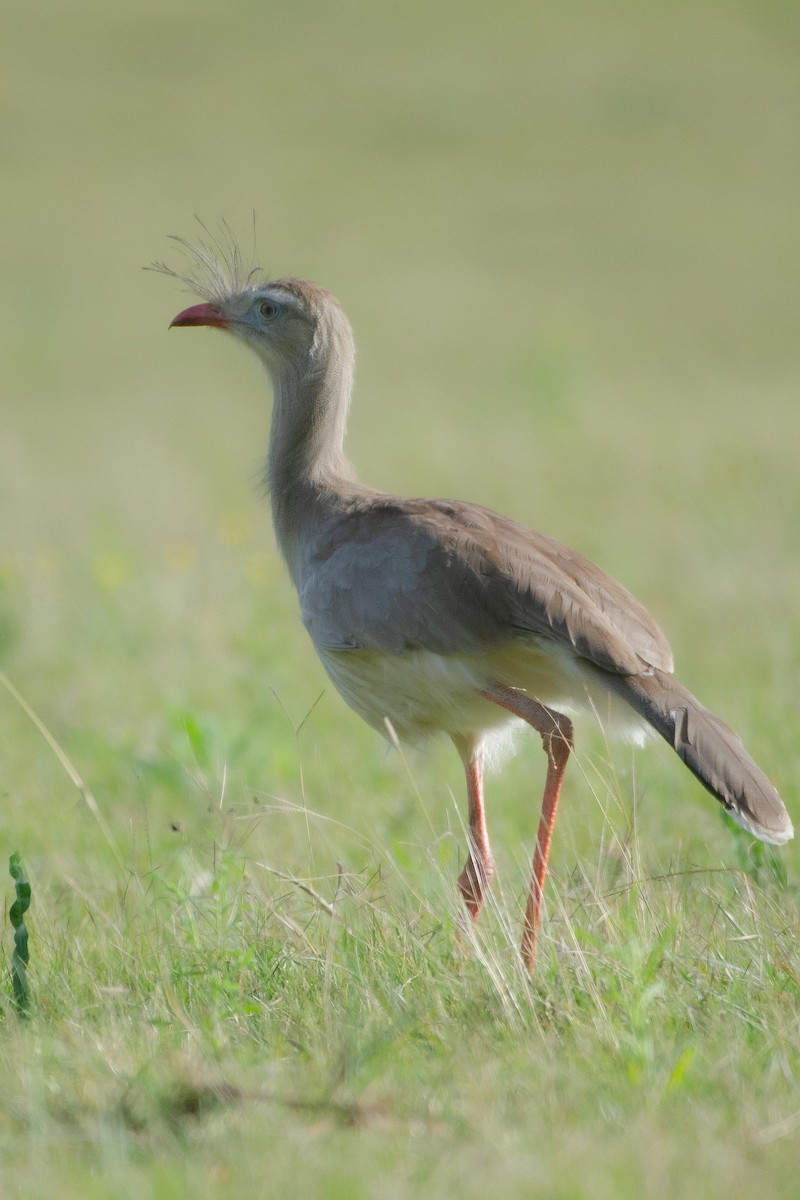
(20, 957)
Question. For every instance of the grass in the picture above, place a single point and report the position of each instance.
(209, 1019)
(566, 236)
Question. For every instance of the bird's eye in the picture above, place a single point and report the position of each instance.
(268, 309)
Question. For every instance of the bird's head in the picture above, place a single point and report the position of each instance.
(283, 321)
(300, 333)
(290, 323)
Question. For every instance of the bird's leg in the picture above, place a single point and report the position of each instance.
(556, 733)
(479, 867)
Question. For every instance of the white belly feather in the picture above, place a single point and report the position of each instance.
(421, 693)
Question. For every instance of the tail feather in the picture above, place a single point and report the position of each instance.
(711, 751)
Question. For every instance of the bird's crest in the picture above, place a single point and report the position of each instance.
(215, 267)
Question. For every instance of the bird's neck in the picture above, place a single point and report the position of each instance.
(306, 459)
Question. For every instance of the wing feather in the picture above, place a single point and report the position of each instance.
(392, 574)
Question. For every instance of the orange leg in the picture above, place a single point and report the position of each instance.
(556, 733)
(479, 867)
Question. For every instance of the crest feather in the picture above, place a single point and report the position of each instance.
(214, 266)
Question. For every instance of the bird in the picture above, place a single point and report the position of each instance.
(441, 616)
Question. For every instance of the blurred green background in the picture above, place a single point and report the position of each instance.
(567, 236)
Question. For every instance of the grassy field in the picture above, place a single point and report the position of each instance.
(567, 237)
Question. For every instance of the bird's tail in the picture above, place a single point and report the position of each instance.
(711, 751)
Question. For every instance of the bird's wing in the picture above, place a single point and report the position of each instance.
(394, 574)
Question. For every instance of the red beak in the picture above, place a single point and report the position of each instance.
(201, 314)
